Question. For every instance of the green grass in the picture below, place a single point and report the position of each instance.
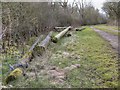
(97, 59)
(108, 26)
(109, 29)
(11, 57)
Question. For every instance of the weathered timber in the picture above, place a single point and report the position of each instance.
(29, 55)
(37, 41)
(61, 34)
(79, 29)
(46, 41)
(59, 29)
(14, 74)
(43, 45)
(18, 69)
(68, 34)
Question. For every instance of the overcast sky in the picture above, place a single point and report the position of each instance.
(96, 3)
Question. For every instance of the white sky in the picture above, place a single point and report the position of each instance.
(96, 3)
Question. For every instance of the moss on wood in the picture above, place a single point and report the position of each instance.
(14, 74)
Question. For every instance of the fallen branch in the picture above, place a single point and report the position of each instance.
(61, 34)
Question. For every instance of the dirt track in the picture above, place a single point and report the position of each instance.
(112, 39)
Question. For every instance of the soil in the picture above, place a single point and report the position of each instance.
(112, 39)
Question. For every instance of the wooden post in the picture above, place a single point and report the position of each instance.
(61, 34)
(79, 29)
(43, 45)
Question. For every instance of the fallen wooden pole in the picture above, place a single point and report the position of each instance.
(60, 27)
(43, 45)
(18, 69)
(79, 29)
(61, 34)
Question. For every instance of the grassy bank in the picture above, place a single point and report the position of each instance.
(98, 63)
(109, 29)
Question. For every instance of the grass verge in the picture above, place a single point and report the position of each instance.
(109, 29)
(97, 59)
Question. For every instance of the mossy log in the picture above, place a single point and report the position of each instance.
(79, 29)
(29, 55)
(61, 34)
(14, 74)
(43, 45)
(18, 69)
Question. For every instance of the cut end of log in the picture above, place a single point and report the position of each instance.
(10, 78)
(13, 75)
(68, 35)
(38, 50)
(79, 29)
(61, 34)
(54, 39)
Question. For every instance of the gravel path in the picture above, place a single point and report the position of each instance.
(114, 30)
(112, 39)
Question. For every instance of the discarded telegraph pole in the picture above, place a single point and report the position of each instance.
(43, 45)
(18, 69)
(79, 29)
(59, 29)
(61, 34)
